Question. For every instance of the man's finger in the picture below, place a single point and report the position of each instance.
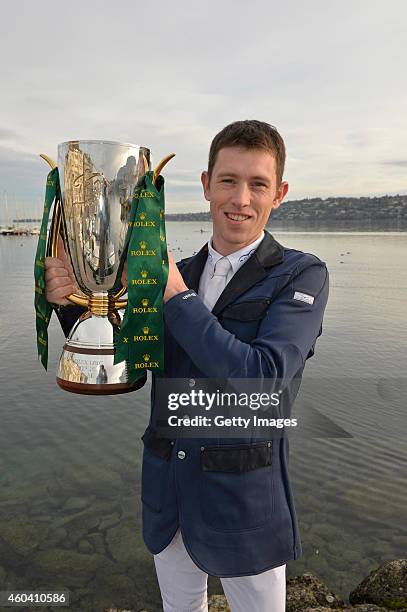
(60, 283)
(55, 272)
(61, 248)
(54, 262)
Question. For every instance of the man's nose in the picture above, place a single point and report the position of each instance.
(242, 196)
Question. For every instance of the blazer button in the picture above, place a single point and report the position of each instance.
(181, 454)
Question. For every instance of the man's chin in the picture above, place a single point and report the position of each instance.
(236, 239)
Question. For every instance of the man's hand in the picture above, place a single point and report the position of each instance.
(175, 282)
(59, 277)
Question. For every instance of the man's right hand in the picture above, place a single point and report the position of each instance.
(59, 277)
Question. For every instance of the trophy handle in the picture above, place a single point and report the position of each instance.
(161, 165)
(52, 247)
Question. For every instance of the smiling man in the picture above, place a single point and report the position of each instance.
(243, 307)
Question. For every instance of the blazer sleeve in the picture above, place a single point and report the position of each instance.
(286, 335)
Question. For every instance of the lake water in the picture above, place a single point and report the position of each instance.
(70, 513)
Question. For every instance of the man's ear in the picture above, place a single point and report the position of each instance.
(281, 193)
(205, 185)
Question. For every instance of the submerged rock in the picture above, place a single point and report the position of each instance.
(120, 541)
(85, 547)
(109, 521)
(23, 535)
(74, 569)
(75, 504)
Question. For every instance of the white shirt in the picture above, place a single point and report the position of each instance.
(236, 259)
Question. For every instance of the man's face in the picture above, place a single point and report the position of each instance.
(242, 192)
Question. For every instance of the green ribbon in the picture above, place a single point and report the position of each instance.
(43, 309)
(141, 338)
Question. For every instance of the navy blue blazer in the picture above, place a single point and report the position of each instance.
(241, 521)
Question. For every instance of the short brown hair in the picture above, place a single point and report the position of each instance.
(250, 134)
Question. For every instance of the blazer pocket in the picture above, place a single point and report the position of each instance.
(251, 310)
(162, 447)
(236, 457)
(237, 486)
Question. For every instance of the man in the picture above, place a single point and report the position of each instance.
(243, 307)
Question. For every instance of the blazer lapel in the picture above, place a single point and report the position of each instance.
(269, 253)
(191, 272)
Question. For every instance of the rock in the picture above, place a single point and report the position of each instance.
(218, 603)
(22, 535)
(85, 547)
(112, 588)
(366, 608)
(21, 493)
(109, 521)
(71, 567)
(88, 518)
(56, 536)
(84, 480)
(121, 540)
(75, 504)
(385, 586)
(307, 591)
(362, 608)
(98, 543)
(75, 535)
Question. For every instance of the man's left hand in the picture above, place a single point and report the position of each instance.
(175, 282)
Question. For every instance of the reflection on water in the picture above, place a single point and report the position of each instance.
(70, 513)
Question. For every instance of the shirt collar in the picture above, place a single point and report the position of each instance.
(236, 259)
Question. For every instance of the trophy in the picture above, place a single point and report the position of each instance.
(97, 182)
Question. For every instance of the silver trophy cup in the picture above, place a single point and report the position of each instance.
(97, 181)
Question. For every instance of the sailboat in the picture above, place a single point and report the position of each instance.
(8, 229)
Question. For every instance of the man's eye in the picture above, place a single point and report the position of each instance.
(227, 180)
(260, 185)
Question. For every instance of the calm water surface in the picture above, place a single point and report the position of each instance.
(70, 464)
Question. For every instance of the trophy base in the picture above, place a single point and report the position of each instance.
(87, 363)
(84, 389)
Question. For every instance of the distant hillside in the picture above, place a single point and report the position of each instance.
(386, 213)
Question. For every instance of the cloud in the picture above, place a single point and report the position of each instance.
(6, 134)
(399, 163)
(22, 174)
(170, 80)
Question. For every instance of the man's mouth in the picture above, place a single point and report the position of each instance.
(236, 217)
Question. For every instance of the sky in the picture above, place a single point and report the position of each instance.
(169, 75)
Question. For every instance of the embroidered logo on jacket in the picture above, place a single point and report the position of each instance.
(303, 297)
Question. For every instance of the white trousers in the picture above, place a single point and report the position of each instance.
(183, 584)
